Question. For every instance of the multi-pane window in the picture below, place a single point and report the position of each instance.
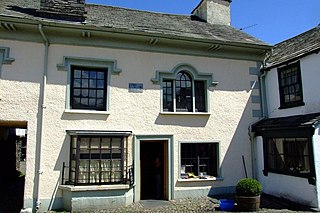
(288, 156)
(199, 159)
(98, 160)
(88, 88)
(290, 86)
(183, 94)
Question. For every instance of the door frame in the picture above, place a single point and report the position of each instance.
(170, 170)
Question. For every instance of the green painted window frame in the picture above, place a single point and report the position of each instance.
(88, 63)
(216, 170)
(164, 77)
(5, 57)
(290, 86)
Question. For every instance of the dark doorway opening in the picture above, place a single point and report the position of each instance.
(12, 163)
(153, 167)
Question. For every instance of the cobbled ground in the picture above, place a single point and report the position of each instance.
(204, 205)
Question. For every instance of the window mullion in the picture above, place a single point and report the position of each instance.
(193, 96)
(100, 160)
(122, 159)
(77, 160)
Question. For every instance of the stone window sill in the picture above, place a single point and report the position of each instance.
(180, 180)
(72, 111)
(93, 188)
(186, 113)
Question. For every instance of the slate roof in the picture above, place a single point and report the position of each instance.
(297, 121)
(294, 48)
(135, 21)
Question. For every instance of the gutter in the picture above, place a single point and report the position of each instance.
(41, 114)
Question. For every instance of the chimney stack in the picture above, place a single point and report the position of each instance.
(72, 8)
(214, 11)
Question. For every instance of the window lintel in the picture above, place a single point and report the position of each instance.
(98, 133)
(160, 75)
(89, 62)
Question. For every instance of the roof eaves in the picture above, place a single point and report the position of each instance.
(85, 26)
(288, 60)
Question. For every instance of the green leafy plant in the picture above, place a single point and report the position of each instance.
(248, 187)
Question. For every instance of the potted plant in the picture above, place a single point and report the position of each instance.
(248, 193)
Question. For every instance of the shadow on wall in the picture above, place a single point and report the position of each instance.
(77, 116)
(63, 157)
(233, 167)
(185, 120)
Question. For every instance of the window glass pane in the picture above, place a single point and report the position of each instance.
(84, 143)
(92, 102)
(92, 93)
(95, 143)
(84, 165)
(100, 84)
(85, 74)
(199, 159)
(101, 160)
(94, 166)
(77, 92)
(116, 143)
(200, 96)
(291, 156)
(105, 165)
(93, 83)
(84, 101)
(105, 143)
(93, 75)
(77, 83)
(76, 102)
(100, 75)
(290, 85)
(99, 93)
(77, 73)
(183, 92)
(85, 83)
(167, 96)
(100, 104)
(85, 93)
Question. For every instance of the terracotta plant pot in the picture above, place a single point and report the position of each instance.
(245, 203)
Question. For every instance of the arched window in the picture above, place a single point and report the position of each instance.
(183, 94)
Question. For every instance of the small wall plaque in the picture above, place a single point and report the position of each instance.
(136, 87)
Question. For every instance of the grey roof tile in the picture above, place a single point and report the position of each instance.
(294, 48)
(296, 121)
(109, 17)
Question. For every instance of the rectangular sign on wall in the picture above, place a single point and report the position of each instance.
(136, 87)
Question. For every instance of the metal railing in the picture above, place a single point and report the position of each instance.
(126, 178)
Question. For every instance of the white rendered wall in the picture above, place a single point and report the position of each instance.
(293, 188)
(316, 151)
(310, 80)
(230, 108)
